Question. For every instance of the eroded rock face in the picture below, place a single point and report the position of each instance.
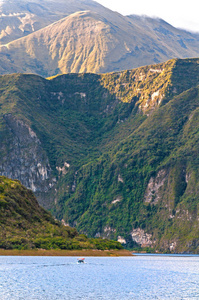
(108, 231)
(121, 240)
(24, 159)
(152, 194)
(142, 238)
(172, 246)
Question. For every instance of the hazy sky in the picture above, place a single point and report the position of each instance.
(179, 13)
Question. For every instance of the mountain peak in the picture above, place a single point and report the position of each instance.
(83, 36)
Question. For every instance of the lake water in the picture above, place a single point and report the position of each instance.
(139, 277)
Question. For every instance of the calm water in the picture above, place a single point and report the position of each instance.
(58, 278)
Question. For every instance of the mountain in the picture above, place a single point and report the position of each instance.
(26, 225)
(95, 40)
(18, 18)
(115, 155)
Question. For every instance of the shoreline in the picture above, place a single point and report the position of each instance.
(43, 252)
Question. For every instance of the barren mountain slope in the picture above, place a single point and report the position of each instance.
(19, 18)
(89, 42)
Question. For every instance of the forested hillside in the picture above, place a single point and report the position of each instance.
(114, 154)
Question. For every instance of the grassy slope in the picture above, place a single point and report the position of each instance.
(103, 138)
(26, 225)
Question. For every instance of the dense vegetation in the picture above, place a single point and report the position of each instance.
(130, 141)
(26, 225)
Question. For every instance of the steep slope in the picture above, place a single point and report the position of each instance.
(19, 18)
(112, 154)
(175, 41)
(101, 41)
(24, 224)
(147, 186)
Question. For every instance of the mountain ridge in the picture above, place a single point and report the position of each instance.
(103, 160)
(95, 40)
(20, 18)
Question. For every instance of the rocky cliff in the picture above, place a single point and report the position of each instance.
(25, 159)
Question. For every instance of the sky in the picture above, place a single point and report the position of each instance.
(179, 13)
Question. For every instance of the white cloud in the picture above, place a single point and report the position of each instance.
(179, 13)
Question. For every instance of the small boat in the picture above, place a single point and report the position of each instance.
(81, 260)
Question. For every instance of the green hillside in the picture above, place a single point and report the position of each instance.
(26, 225)
(148, 181)
(114, 155)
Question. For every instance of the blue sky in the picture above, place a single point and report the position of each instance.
(179, 13)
